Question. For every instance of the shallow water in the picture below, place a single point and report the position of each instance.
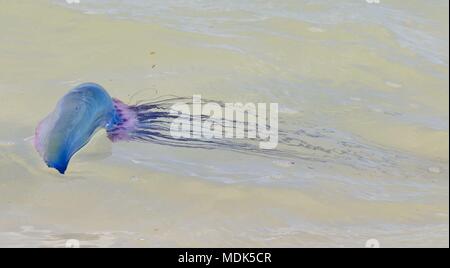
(363, 95)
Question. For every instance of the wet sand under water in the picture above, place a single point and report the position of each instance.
(364, 110)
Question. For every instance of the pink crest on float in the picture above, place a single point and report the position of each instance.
(126, 122)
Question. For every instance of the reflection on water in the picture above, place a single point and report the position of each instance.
(363, 96)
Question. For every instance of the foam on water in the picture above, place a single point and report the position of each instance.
(216, 17)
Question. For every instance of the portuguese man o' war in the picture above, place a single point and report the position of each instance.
(88, 108)
(77, 116)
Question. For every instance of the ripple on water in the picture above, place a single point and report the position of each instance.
(393, 85)
(316, 30)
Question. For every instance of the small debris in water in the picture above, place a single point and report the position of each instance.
(134, 179)
(435, 170)
(284, 163)
(152, 52)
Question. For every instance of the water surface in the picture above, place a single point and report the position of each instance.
(363, 95)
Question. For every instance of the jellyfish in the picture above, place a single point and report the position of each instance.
(88, 108)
